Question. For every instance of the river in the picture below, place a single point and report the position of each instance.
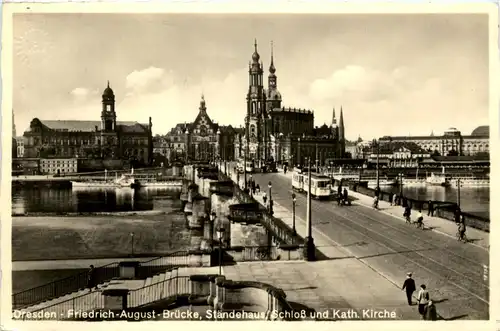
(64, 200)
(474, 200)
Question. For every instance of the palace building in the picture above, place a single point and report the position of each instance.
(199, 141)
(283, 134)
(107, 139)
(451, 143)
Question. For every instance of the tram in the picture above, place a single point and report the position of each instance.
(320, 185)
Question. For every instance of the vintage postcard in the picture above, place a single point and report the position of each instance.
(267, 162)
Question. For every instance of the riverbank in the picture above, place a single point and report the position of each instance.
(89, 214)
(77, 237)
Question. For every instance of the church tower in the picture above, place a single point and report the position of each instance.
(109, 140)
(335, 127)
(273, 95)
(256, 117)
(108, 115)
(341, 133)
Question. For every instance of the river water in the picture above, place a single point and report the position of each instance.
(64, 200)
(474, 200)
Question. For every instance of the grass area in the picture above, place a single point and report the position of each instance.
(24, 280)
(41, 238)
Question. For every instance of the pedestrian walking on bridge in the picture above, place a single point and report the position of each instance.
(91, 280)
(423, 299)
(430, 312)
(410, 287)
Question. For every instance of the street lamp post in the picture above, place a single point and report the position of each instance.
(310, 250)
(376, 143)
(132, 242)
(458, 192)
(400, 185)
(270, 185)
(213, 216)
(220, 234)
(293, 214)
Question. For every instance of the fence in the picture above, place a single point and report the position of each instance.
(442, 209)
(101, 274)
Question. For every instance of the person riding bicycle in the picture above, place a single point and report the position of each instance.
(420, 219)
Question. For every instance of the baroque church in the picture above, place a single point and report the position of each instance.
(105, 139)
(273, 132)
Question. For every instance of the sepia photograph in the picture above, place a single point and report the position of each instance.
(293, 166)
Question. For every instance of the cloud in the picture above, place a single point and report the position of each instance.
(355, 82)
(140, 81)
(81, 92)
(155, 92)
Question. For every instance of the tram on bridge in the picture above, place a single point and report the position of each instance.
(321, 187)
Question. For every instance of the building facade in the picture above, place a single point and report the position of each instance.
(104, 139)
(201, 140)
(451, 143)
(20, 146)
(282, 134)
(59, 166)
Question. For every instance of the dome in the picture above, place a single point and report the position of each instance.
(273, 94)
(272, 69)
(255, 56)
(483, 130)
(108, 92)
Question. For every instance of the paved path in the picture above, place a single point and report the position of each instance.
(452, 271)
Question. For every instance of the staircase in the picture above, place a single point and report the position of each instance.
(169, 284)
(76, 285)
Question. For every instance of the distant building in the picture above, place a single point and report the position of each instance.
(283, 134)
(20, 146)
(58, 165)
(201, 140)
(398, 155)
(104, 139)
(451, 143)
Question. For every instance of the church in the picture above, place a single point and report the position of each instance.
(107, 139)
(273, 132)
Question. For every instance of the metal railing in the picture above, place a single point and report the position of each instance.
(171, 287)
(63, 286)
(101, 274)
(68, 309)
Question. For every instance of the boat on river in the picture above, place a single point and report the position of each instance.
(437, 180)
(126, 180)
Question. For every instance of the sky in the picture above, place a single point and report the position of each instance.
(399, 74)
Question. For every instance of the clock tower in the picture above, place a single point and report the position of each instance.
(109, 140)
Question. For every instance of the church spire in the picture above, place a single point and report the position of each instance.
(334, 120)
(341, 125)
(272, 69)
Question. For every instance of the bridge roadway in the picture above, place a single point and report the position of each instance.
(452, 271)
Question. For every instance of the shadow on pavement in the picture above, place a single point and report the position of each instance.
(392, 253)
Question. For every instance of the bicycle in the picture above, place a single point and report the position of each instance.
(420, 225)
(462, 238)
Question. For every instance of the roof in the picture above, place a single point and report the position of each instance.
(461, 158)
(483, 130)
(388, 148)
(90, 126)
